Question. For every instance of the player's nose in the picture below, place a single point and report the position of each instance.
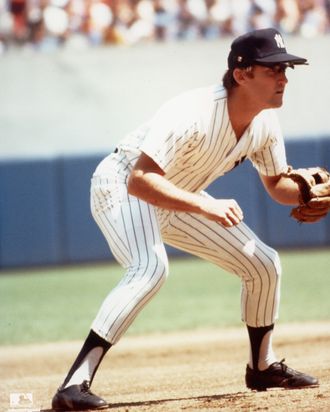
(282, 83)
(282, 78)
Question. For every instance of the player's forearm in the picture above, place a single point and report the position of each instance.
(158, 191)
(282, 190)
(147, 182)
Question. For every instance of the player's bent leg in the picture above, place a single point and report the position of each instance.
(240, 251)
(237, 250)
(131, 228)
(125, 301)
(142, 280)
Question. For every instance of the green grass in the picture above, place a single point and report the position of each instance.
(60, 303)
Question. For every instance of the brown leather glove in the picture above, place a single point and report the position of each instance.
(314, 199)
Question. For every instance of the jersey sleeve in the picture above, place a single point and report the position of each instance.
(270, 159)
(170, 133)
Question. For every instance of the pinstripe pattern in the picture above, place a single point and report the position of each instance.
(132, 231)
(237, 250)
(192, 140)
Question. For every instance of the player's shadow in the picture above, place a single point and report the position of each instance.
(206, 398)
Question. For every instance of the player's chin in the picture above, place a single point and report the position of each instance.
(277, 101)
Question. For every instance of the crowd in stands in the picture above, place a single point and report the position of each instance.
(48, 24)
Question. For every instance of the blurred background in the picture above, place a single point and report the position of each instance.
(48, 24)
(77, 75)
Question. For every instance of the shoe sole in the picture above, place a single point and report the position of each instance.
(89, 409)
(66, 409)
(264, 388)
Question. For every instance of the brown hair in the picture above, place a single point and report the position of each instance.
(228, 80)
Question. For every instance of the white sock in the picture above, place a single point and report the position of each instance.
(86, 368)
(266, 353)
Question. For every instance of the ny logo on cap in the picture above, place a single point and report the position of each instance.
(279, 41)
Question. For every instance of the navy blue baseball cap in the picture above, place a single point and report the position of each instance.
(265, 47)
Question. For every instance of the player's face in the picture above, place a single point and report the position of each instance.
(268, 85)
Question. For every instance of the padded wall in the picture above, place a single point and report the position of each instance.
(30, 219)
(82, 240)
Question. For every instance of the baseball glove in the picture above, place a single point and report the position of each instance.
(314, 199)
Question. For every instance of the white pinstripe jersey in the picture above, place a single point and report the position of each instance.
(192, 140)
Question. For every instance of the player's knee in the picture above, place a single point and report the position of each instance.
(152, 271)
(277, 264)
(160, 268)
(275, 267)
(266, 268)
(272, 268)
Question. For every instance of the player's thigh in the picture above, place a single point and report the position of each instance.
(129, 225)
(237, 249)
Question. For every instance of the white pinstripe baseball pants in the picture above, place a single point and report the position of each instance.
(135, 232)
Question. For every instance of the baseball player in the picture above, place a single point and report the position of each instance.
(151, 191)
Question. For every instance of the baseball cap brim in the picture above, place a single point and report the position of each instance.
(281, 58)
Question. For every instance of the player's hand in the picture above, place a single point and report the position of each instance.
(225, 211)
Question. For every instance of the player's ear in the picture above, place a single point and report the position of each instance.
(238, 75)
(241, 75)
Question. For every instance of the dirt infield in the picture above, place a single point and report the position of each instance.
(186, 371)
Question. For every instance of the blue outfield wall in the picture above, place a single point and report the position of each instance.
(45, 215)
(81, 238)
(30, 218)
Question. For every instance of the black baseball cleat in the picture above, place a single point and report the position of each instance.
(77, 398)
(278, 375)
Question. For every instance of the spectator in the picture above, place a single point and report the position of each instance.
(47, 24)
(312, 17)
(99, 19)
(287, 16)
(17, 9)
(35, 22)
(6, 25)
(262, 13)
